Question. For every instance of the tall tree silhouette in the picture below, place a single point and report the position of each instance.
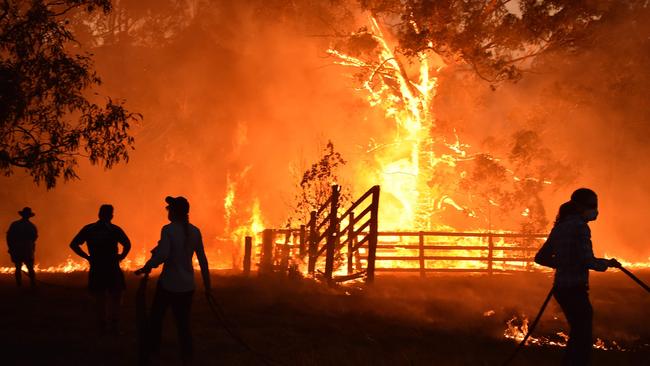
(47, 116)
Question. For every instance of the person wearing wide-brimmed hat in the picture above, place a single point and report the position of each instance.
(21, 240)
(179, 240)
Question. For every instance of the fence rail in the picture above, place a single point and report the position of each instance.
(444, 251)
(424, 252)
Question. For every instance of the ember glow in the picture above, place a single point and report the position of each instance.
(516, 329)
(69, 266)
(76, 265)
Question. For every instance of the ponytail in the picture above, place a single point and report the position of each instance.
(566, 209)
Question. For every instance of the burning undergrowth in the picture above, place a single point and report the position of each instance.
(517, 328)
(499, 307)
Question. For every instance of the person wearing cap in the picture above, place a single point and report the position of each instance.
(179, 241)
(569, 251)
(105, 277)
(21, 240)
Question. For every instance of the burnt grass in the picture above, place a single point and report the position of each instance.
(439, 320)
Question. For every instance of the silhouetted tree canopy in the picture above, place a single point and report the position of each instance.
(47, 119)
(496, 38)
(315, 186)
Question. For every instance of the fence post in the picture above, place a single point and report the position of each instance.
(303, 241)
(421, 248)
(313, 245)
(373, 231)
(351, 242)
(490, 253)
(332, 235)
(248, 249)
(527, 244)
(266, 265)
(284, 259)
(295, 244)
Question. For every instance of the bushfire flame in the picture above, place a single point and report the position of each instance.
(405, 164)
(517, 328)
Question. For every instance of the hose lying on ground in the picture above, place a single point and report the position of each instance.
(221, 317)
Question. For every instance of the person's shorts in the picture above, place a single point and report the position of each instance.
(106, 278)
(22, 258)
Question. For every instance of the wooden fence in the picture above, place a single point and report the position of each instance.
(354, 237)
(409, 252)
(438, 251)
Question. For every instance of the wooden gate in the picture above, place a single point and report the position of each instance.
(329, 234)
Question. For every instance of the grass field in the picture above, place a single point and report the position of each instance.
(440, 320)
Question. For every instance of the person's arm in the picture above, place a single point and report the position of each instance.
(126, 244)
(595, 263)
(203, 263)
(77, 242)
(35, 234)
(159, 254)
(10, 236)
(587, 253)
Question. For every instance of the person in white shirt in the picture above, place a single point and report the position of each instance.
(179, 240)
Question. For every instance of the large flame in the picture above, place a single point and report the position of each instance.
(405, 165)
(229, 202)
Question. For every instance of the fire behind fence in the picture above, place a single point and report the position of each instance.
(349, 246)
(418, 252)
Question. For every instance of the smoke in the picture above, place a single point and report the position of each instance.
(244, 89)
(589, 108)
(241, 89)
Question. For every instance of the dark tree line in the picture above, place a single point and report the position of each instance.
(497, 39)
(49, 116)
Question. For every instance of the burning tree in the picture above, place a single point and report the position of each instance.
(426, 167)
(46, 119)
(408, 102)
